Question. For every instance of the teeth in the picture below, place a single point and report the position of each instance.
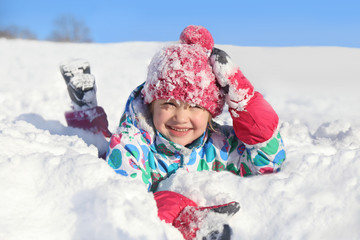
(180, 130)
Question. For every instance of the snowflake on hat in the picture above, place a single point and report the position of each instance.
(183, 72)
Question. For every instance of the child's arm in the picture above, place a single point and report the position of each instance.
(254, 120)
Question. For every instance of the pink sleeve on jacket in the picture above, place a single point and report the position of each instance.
(257, 123)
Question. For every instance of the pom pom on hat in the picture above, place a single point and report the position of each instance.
(197, 35)
(183, 72)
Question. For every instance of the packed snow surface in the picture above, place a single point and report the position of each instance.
(53, 185)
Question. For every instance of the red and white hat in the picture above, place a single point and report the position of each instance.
(183, 72)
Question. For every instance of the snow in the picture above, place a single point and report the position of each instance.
(53, 186)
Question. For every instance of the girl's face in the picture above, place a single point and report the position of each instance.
(178, 121)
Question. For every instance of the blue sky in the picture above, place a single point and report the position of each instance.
(237, 22)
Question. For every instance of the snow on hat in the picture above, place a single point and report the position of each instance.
(182, 72)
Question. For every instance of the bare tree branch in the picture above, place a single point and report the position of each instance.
(69, 29)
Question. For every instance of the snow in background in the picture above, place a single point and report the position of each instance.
(53, 186)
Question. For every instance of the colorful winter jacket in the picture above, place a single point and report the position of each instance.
(138, 151)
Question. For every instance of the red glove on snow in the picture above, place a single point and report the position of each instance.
(187, 216)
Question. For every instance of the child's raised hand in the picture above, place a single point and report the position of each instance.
(238, 89)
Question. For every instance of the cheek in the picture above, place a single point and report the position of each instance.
(201, 120)
(159, 118)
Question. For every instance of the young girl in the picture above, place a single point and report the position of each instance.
(168, 124)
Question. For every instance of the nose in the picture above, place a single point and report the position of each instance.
(181, 114)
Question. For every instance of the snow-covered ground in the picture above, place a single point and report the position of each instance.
(53, 186)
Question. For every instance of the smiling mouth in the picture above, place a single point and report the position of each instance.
(179, 129)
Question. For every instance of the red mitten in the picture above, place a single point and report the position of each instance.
(258, 123)
(185, 215)
(170, 204)
(239, 89)
(254, 120)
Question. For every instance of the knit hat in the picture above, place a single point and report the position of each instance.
(182, 72)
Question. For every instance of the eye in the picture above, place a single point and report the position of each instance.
(197, 106)
(169, 104)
